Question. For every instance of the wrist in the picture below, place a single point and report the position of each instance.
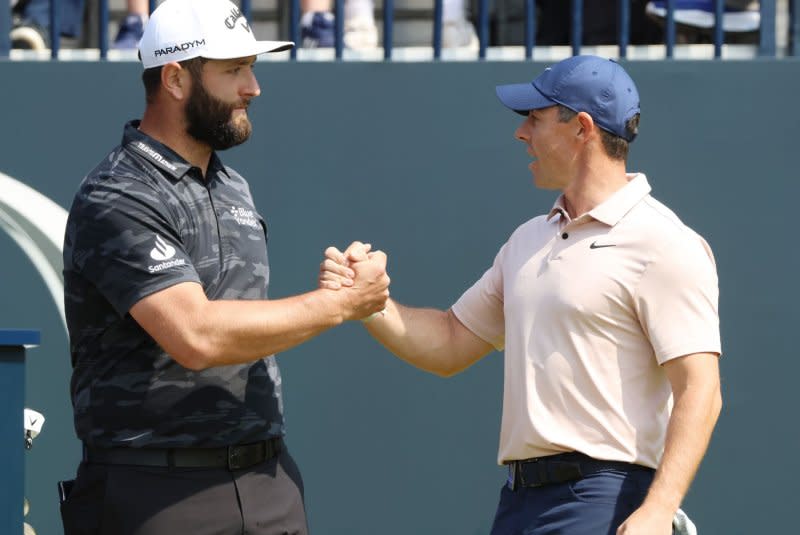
(373, 316)
(658, 506)
(334, 304)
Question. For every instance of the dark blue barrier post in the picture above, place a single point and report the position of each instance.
(530, 28)
(55, 29)
(624, 27)
(338, 38)
(12, 431)
(438, 13)
(483, 27)
(719, 33)
(388, 25)
(294, 23)
(5, 29)
(794, 28)
(670, 32)
(576, 29)
(102, 30)
(766, 46)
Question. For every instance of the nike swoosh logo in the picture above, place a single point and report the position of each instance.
(33, 422)
(595, 245)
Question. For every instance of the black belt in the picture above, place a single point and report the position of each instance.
(229, 457)
(560, 468)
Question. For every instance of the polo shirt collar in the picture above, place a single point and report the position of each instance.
(215, 166)
(155, 152)
(162, 156)
(613, 209)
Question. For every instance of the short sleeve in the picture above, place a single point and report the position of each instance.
(123, 238)
(677, 301)
(480, 308)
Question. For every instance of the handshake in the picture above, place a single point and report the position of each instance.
(359, 274)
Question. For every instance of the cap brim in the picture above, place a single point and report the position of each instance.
(274, 46)
(252, 49)
(522, 98)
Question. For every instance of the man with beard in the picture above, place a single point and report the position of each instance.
(177, 397)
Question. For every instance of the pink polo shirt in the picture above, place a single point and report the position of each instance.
(587, 310)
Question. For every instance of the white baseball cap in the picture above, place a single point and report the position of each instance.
(215, 29)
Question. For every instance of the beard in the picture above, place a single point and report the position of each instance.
(209, 119)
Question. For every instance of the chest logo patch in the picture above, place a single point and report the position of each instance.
(596, 245)
(245, 217)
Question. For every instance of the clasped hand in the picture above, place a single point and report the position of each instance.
(361, 273)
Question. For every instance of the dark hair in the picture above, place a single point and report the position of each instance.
(615, 146)
(151, 78)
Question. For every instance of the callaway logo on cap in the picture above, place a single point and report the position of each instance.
(213, 29)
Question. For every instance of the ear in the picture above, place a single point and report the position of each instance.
(176, 81)
(588, 128)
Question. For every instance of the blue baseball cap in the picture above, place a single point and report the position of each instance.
(598, 86)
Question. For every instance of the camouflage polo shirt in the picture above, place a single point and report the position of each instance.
(143, 220)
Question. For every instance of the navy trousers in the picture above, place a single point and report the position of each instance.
(595, 505)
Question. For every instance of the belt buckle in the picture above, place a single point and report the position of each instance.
(234, 458)
(512, 476)
(538, 464)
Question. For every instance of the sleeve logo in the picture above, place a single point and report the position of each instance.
(162, 250)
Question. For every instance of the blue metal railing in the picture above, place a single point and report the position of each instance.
(719, 36)
(294, 18)
(530, 28)
(794, 28)
(438, 13)
(767, 40)
(483, 27)
(576, 28)
(5, 30)
(388, 25)
(102, 29)
(767, 44)
(55, 22)
(624, 27)
(338, 10)
(669, 31)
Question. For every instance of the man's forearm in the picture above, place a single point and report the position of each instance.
(432, 340)
(693, 418)
(240, 331)
(199, 333)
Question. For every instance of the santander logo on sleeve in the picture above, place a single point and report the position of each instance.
(163, 252)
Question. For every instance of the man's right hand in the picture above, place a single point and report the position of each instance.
(361, 277)
(335, 271)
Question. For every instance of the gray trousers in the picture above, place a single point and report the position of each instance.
(266, 499)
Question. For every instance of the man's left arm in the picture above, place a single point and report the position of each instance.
(697, 403)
